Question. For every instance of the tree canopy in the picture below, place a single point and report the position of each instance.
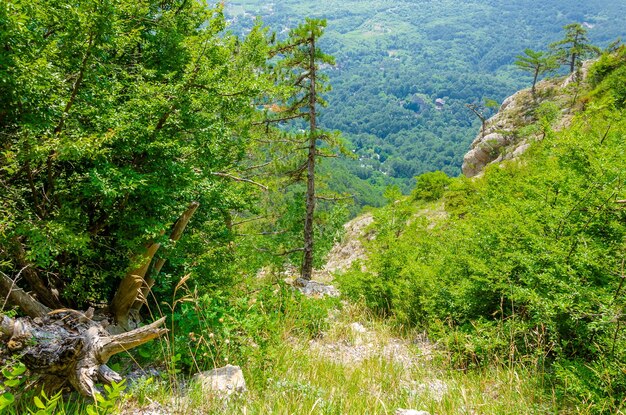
(116, 115)
(574, 47)
(537, 63)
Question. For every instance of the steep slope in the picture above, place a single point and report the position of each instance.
(528, 265)
(505, 137)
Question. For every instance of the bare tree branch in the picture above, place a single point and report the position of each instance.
(275, 120)
(16, 296)
(334, 198)
(177, 231)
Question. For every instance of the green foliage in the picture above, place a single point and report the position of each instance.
(105, 404)
(115, 115)
(537, 63)
(608, 76)
(241, 327)
(461, 194)
(574, 47)
(49, 405)
(385, 291)
(527, 266)
(11, 379)
(431, 186)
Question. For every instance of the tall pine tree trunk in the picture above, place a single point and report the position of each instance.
(307, 262)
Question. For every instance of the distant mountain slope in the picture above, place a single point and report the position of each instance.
(395, 58)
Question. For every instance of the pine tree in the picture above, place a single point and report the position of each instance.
(574, 46)
(537, 63)
(300, 65)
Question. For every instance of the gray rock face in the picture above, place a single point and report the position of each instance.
(351, 249)
(227, 379)
(315, 289)
(485, 150)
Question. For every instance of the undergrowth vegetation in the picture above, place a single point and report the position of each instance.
(528, 265)
(301, 355)
(503, 294)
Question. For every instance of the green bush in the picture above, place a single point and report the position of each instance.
(430, 186)
(239, 327)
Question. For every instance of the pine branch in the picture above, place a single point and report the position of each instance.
(240, 179)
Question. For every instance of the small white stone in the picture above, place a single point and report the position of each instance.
(226, 379)
(358, 327)
(401, 411)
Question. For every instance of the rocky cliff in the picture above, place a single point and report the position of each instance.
(506, 136)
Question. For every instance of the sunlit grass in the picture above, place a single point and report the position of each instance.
(301, 376)
(359, 365)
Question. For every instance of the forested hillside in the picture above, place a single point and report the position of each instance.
(396, 58)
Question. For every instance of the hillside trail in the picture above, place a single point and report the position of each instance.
(355, 344)
(356, 337)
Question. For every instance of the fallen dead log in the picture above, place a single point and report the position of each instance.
(67, 346)
(133, 291)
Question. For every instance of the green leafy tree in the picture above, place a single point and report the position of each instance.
(574, 46)
(431, 186)
(537, 63)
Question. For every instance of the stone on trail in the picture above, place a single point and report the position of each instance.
(401, 411)
(315, 289)
(358, 327)
(226, 379)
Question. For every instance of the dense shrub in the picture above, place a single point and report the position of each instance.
(430, 186)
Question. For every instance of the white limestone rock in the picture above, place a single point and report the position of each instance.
(401, 411)
(227, 379)
(315, 289)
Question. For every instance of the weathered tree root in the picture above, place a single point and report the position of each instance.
(67, 347)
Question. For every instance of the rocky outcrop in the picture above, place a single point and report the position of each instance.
(350, 249)
(502, 138)
(484, 151)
